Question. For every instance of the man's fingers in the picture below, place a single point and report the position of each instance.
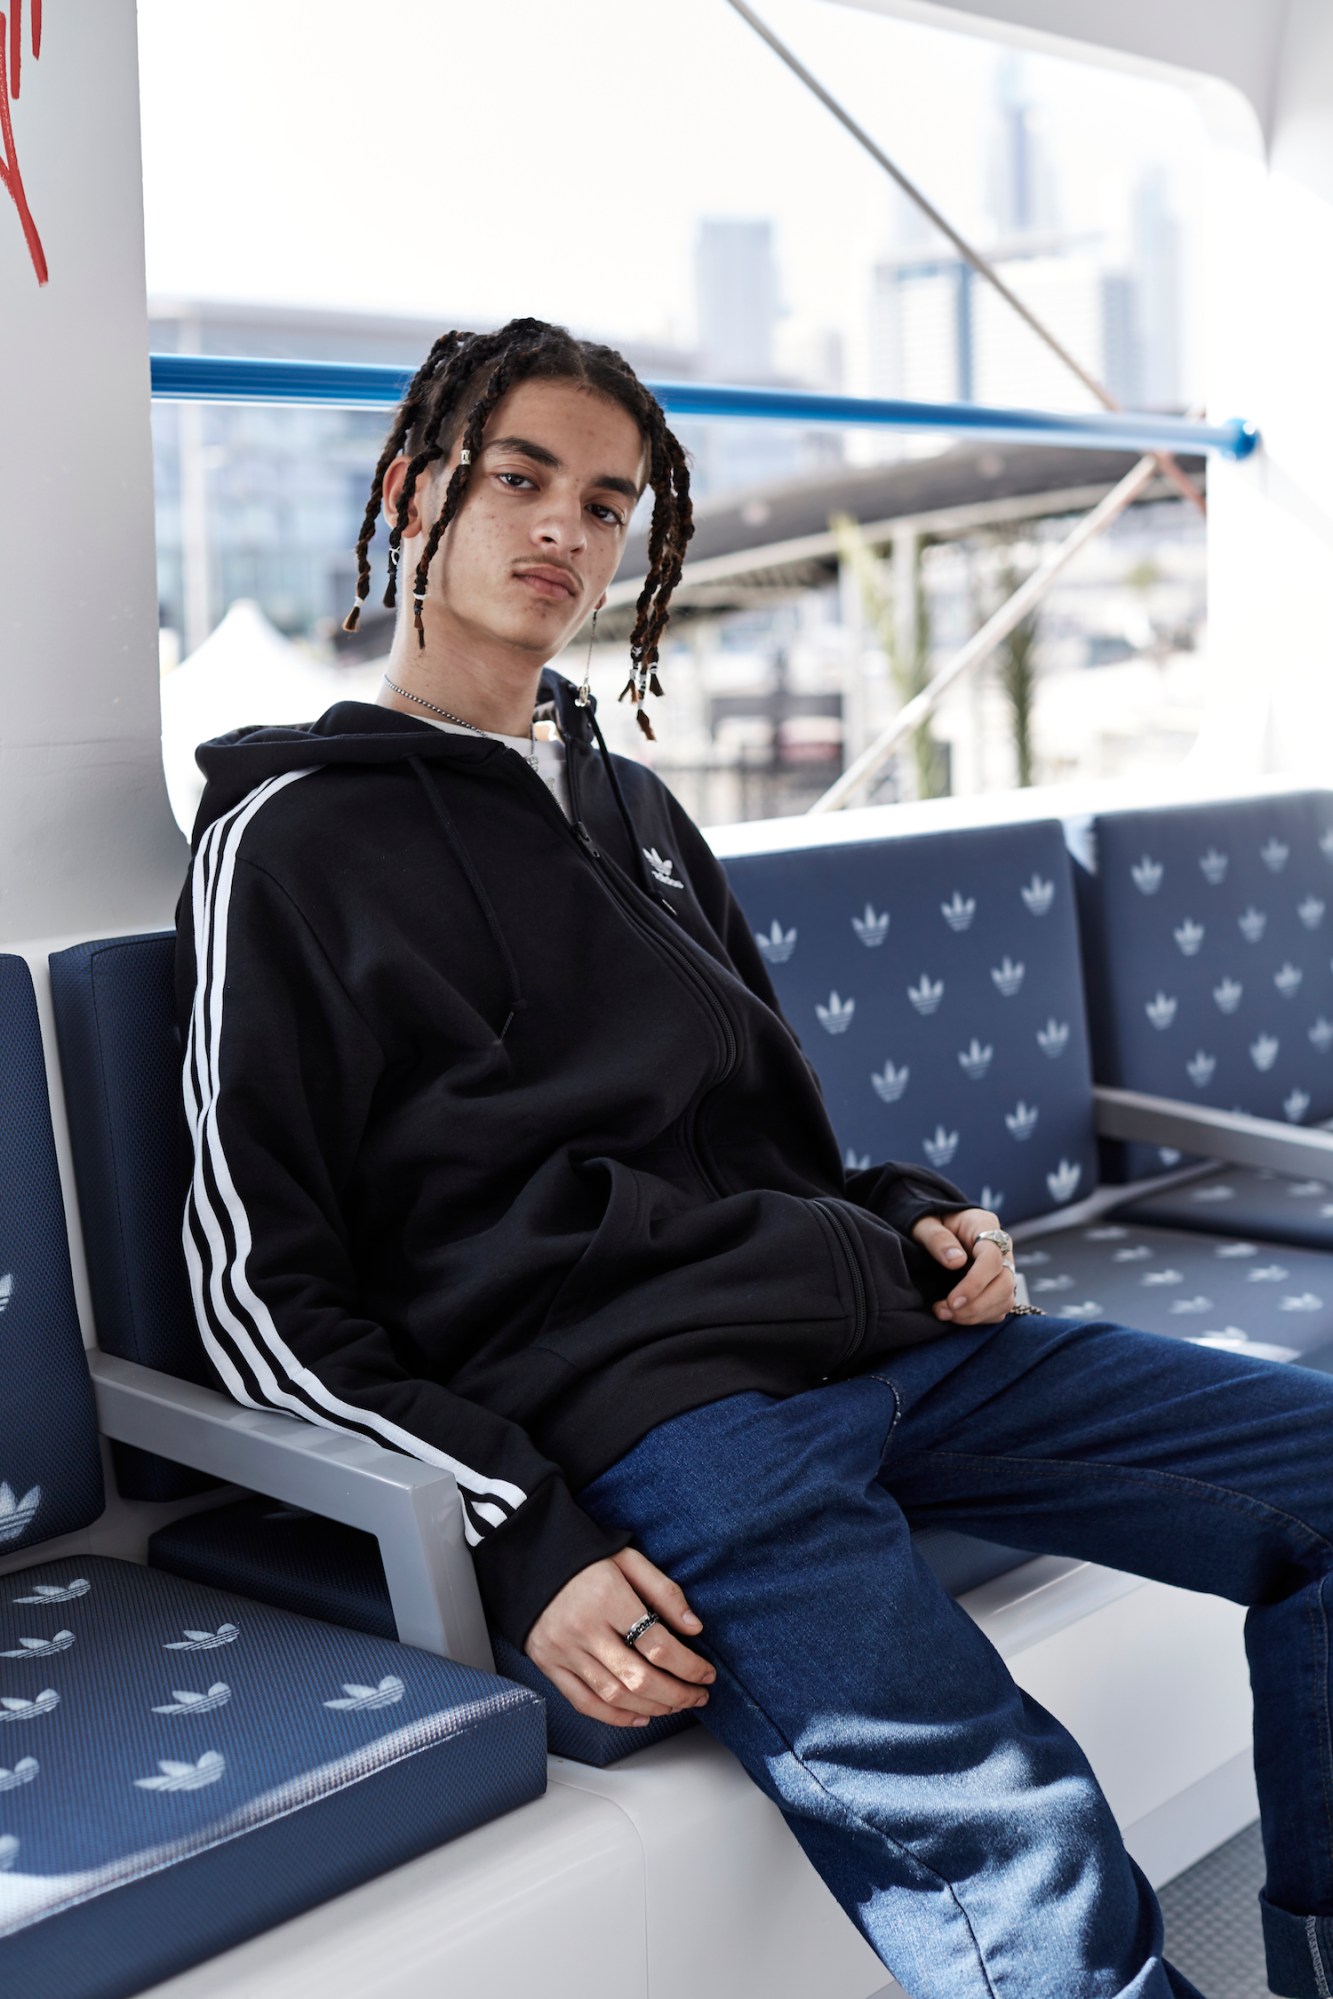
(941, 1241)
(990, 1304)
(579, 1642)
(581, 1696)
(660, 1649)
(988, 1269)
(610, 1688)
(987, 1265)
(657, 1590)
(636, 1672)
(622, 1678)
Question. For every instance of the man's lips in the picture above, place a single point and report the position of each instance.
(549, 582)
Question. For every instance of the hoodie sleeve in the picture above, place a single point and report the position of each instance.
(280, 1074)
(899, 1194)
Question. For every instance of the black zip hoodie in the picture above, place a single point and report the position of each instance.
(503, 1151)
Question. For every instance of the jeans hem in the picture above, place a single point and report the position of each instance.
(1298, 1951)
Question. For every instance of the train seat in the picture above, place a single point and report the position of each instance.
(1207, 933)
(181, 1768)
(119, 1054)
(936, 982)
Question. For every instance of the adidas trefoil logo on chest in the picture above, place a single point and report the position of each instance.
(663, 867)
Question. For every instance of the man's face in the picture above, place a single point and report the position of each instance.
(543, 520)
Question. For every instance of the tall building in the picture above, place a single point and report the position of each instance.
(921, 341)
(737, 308)
(1071, 291)
(1158, 251)
(736, 298)
(939, 332)
(1020, 182)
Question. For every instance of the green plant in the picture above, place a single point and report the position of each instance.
(1015, 663)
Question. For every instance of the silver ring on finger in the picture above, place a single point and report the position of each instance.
(636, 1631)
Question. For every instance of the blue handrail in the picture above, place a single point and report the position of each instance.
(224, 378)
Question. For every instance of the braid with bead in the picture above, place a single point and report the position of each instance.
(408, 414)
(450, 400)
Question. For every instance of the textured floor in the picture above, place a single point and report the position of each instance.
(1212, 1920)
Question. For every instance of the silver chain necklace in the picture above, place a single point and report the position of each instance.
(448, 715)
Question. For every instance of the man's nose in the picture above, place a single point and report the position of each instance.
(561, 523)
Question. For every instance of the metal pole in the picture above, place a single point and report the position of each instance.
(1181, 480)
(983, 643)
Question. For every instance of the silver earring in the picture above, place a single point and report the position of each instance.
(584, 695)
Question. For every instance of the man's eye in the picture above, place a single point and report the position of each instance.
(609, 515)
(518, 478)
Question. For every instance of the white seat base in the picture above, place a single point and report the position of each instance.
(672, 1874)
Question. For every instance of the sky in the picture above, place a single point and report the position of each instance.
(517, 156)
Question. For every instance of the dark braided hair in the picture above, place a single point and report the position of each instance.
(453, 395)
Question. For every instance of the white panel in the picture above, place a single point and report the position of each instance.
(86, 840)
(1196, 1821)
(1155, 1688)
(1235, 41)
(547, 1901)
(760, 1920)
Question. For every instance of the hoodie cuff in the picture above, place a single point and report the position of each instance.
(908, 1203)
(523, 1564)
(901, 1195)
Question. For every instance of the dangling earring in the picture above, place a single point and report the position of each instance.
(584, 695)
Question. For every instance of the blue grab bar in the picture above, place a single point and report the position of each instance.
(224, 378)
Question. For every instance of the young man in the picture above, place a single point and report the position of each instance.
(505, 1156)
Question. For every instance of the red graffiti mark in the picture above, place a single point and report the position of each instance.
(11, 72)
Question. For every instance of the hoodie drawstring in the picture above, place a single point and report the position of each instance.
(636, 844)
(460, 852)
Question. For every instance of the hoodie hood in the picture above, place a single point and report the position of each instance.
(355, 732)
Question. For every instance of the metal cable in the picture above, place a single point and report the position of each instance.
(1181, 480)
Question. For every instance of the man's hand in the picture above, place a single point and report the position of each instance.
(578, 1641)
(985, 1293)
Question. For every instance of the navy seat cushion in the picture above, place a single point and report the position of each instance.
(181, 1768)
(935, 983)
(50, 1466)
(120, 1057)
(1207, 933)
(1241, 1200)
(284, 1556)
(1264, 1298)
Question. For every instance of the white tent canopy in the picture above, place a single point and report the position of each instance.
(245, 671)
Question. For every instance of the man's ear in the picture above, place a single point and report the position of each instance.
(392, 492)
(601, 602)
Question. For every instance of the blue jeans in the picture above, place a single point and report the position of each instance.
(957, 1822)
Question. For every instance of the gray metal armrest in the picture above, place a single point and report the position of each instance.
(411, 1508)
(1228, 1135)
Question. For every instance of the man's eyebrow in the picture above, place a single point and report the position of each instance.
(538, 453)
(525, 447)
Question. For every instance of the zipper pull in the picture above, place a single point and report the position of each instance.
(587, 840)
(669, 906)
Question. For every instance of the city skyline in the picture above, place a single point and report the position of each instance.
(320, 207)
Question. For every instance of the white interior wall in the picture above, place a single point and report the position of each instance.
(1261, 74)
(86, 840)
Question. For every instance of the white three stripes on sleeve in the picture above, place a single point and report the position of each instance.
(239, 1330)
